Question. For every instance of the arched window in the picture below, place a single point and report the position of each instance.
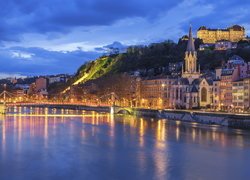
(203, 94)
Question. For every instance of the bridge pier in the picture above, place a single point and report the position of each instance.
(112, 110)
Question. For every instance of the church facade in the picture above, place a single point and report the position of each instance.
(191, 90)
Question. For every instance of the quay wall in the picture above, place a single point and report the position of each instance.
(223, 119)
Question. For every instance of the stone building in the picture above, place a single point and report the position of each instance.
(155, 92)
(211, 36)
(246, 82)
(228, 79)
(41, 84)
(238, 95)
(222, 45)
(216, 98)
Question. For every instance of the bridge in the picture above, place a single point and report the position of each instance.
(3, 96)
(78, 106)
(123, 110)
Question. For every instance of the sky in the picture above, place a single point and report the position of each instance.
(43, 37)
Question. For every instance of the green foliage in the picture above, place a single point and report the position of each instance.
(153, 56)
(95, 69)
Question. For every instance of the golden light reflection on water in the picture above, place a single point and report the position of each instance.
(44, 123)
(161, 134)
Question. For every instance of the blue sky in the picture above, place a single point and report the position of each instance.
(57, 36)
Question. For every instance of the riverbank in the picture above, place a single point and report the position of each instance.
(224, 119)
(241, 121)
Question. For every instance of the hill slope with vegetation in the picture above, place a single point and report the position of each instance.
(154, 57)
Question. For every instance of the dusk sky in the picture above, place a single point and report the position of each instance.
(57, 36)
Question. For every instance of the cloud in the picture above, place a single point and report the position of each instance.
(61, 16)
(24, 55)
(48, 37)
(41, 62)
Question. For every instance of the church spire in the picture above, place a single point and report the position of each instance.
(190, 63)
(190, 46)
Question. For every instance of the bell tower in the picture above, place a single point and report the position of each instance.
(190, 69)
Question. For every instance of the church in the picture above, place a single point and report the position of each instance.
(191, 91)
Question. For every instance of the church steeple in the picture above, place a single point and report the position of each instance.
(190, 46)
(190, 69)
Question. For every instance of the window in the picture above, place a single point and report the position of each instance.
(177, 93)
(203, 94)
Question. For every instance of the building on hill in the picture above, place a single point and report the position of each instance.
(211, 36)
(63, 78)
(203, 47)
(222, 45)
(41, 83)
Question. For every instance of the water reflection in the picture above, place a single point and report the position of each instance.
(99, 145)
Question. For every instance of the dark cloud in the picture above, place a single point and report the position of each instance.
(18, 17)
(54, 18)
(35, 61)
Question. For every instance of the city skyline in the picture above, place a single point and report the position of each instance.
(135, 89)
(39, 39)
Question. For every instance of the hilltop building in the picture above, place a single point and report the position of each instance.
(211, 36)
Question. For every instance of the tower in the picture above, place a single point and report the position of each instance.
(190, 69)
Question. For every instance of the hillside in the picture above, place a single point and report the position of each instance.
(153, 57)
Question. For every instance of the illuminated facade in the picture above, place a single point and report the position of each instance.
(246, 82)
(238, 95)
(230, 90)
(155, 92)
(211, 36)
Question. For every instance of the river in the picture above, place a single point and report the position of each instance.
(63, 144)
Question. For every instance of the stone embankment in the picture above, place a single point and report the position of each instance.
(241, 121)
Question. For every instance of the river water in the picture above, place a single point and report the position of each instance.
(65, 144)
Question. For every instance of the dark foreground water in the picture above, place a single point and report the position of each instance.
(67, 145)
